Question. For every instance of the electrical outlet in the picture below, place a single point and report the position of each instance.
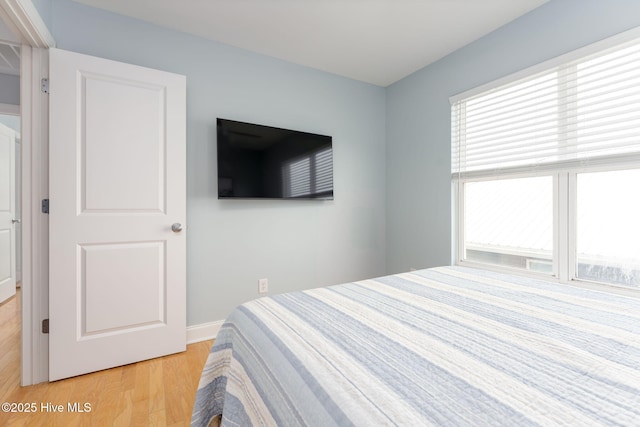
(263, 286)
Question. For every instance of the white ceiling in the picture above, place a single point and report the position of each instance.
(375, 41)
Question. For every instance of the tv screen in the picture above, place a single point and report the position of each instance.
(263, 162)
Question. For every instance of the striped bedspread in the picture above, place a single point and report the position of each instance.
(448, 346)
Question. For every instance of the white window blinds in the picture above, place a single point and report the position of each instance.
(580, 110)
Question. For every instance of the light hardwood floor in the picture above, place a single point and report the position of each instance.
(157, 392)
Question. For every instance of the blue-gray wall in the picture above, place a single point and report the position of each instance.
(9, 89)
(44, 10)
(394, 140)
(233, 243)
(418, 116)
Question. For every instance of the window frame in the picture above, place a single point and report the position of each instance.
(564, 175)
(564, 224)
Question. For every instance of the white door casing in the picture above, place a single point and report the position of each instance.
(117, 184)
(7, 213)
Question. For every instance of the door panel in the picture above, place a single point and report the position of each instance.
(106, 144)
(7, 213)
(107, 271)
(117, 184)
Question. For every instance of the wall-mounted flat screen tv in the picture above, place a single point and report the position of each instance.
(264, 162)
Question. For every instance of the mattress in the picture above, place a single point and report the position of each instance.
(447, 346)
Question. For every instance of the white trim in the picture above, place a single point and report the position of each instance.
(35, 226)
(28, 360)
(203, 331)
(455, 221)
(23, 19)
(571, 232)
(10, 109)
(554, 62)
(615, 161)
(561, 210)
(505, 250)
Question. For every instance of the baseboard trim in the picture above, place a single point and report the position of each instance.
(203, 331)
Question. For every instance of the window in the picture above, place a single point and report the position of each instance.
(608, 227)
(510, 222)
(546, 165)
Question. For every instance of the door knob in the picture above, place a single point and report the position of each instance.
(176, 227)
(15, 221)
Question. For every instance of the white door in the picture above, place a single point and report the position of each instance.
(117, 183)
(7, 213)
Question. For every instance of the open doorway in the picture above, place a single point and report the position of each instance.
(9, 167)
(10, 226)
(22, 25)
(10, 206)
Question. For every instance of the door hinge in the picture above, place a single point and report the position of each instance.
(45, 326)
(45, 206)
(44, 85)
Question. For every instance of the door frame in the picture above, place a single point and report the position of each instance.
(25, 22)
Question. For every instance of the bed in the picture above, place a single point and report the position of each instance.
(448, 346)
